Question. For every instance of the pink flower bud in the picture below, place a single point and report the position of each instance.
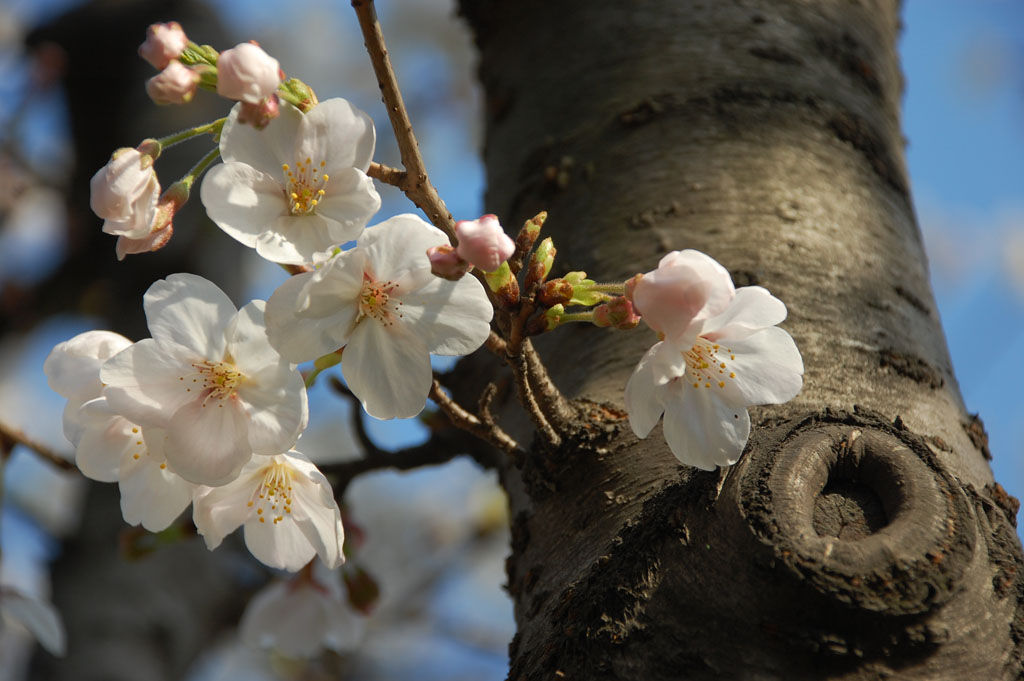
(247, 74)
(164, 43)
(125, 193)
(483, 242)
(446, 263)
(259, 115)
(162, 226)
(176, 84)
(617, 312)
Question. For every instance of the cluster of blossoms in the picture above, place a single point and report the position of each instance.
(208, 410)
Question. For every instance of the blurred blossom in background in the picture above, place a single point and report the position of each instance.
(435, 539)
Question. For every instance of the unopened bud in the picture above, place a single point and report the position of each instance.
(504, 285)
(525, 240)
(630, 285)
(446, 263)
(259, 115)
(176, 84)
(553, 316)
(555, 292)
(483, 242)
(617, 312)
(540, 264)
(162, 226)
(305, 98)
(247, 74)
(164, 43)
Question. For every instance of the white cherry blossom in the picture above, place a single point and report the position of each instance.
(286, 506)
(125, 193)
(381, 302)
(739, 359)
(301, 617)
(108, 447)
(209, 378)
(297, 188)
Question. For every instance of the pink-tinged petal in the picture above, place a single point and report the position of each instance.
(40, 618)
(388, 369)
(219, 511)
(687, 288)
(278, 412)
(397, 250)
(73, 367)
(208, 444)
(338, 133)
(244, 201)
(247, 342)
(452, 317)
(645, 398)
(106, 439)
(151, 494)
(279, 545)
(265, 149)
(703, 430)
(753, 309)
(297, 239)
(190, 311)
(147, 382)
(768, 368)
(300, 339)
(350, 202)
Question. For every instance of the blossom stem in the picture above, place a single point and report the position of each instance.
(415, 184)
(618, 288)
(576, 317)
(212, 128)
(200, 167)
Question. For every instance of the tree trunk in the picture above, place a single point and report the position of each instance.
(861, 536)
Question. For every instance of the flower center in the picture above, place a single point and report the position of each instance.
(213, 381)
(376, 300)
(275, 492)
(305, 185)
(706, 364)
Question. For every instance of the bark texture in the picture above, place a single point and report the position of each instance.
(862, 535)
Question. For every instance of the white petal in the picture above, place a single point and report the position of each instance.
(208, 445)
(147, 382)
(150, 495)
(278, 412)
(397, 250)
(247, 343)
(350, 201)
(279, 545)
(106, 439)
(73, 367)
(190, 311)
(703, 430)
(39, 617)
(263, 149)
(243, 201)
(338, 133)
(388, 369)
(300, 339)
(334, 289)
(452, 317)
(753, 309)
(297, 239)
(644, 398)
(316, 512)
(668, 362)
(768, 368)
(219, 511)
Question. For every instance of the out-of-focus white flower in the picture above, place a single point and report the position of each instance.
(176, 84)
(164, 42)
(125, 193)
(286, 506)
(246, 73)
(297, 188)
(108, 447)
(483, 242)
(301, 617)
(39, 617)
(739, 359)
(209, 378)
(382, 303)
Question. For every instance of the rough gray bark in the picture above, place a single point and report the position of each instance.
(862, 535)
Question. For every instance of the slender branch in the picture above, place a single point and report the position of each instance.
(496, 344)
(415, 184)
(486, 429)
(556, 407)
(10, 436)
(386, 174)
(370, 448)
(520, 374)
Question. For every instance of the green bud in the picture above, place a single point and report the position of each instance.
(499, 278)
(553, 316)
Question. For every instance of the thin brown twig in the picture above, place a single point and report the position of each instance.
(370, 448)
(10, 436)
(555, 406)
(386, 174)
(496, 344)
(463, 420)
(415, 183)
(520, 374)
